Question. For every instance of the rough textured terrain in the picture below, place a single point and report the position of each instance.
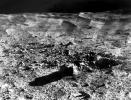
(83, 56)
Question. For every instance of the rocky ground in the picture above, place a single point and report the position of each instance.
(52, 56)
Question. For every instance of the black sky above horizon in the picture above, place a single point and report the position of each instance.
(64, 6)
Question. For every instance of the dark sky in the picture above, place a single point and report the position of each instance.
(65, 6)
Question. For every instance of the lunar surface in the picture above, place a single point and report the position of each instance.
(63, 56)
